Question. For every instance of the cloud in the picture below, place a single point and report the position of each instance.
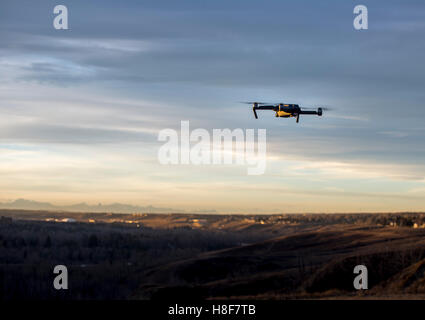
(395, 134)
(365, 170)
(122, 73)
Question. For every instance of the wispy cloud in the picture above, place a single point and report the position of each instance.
(395, 134)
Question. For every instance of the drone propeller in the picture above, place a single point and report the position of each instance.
(252, 102)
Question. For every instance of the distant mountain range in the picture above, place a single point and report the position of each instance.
(84, 207)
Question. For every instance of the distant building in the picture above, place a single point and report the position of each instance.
(198, 222)
(68, 220)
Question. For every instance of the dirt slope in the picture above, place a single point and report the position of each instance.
(307, 264)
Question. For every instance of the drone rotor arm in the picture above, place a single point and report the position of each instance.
(266, 108)
(308, 112)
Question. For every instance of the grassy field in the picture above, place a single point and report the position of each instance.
(183, 256)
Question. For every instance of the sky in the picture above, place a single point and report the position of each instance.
(81, 109)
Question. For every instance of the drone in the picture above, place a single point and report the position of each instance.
(284, 110)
